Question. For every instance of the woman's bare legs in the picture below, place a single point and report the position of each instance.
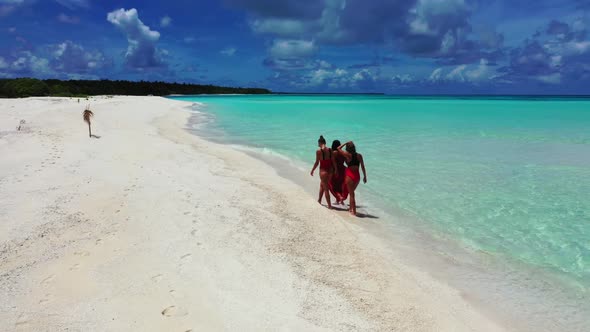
(321, 193)
(325, 187)
(351, 185)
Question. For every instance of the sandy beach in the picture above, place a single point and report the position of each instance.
(151, 228)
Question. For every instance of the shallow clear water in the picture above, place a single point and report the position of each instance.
(507, 176)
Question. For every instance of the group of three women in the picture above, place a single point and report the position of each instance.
(335, 177)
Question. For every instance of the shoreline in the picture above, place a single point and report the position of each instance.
(374, 228)
(152, 228)
(472, 272)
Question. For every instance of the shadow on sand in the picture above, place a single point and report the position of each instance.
(95, 136)
(338, 208)
(366, 215)
(358, 214)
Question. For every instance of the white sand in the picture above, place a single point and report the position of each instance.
(150, 228)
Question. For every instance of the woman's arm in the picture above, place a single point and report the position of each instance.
(363, 167)
(343, 145)
(317, 161)
(345, 153)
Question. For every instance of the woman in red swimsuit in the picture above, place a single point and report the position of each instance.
(337, 187)
(323, 157)
(352, 176)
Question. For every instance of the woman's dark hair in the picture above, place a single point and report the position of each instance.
(350, 148)
(335, 145)
(322, 140)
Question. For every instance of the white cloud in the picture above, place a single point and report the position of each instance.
(457, 74)
(448, 43)
(73, 58)
(228, 51)
(165, 21)
(333, 78)
(425, 10)
(570, 48)
(363, 75)
(465, 73)
(480, 73)
(580, 47)
(27, 63)
(66, 59)
(324, 64)
(329, 25)
(419, 26)
(289, 49)
(405, 78)
(365, 79)
(339, 78)
(319, 76)
(141, 52)
(436, 75)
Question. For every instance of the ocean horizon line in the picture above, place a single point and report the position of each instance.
(420, 96)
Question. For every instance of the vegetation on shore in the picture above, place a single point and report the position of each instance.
(31, 87)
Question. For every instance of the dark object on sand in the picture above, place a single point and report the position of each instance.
(20, 126)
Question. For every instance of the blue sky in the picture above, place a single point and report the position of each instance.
(392, 46)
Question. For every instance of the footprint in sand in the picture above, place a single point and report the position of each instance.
(157, 278)
(82, 253)
(74, 267)
(22, 321)
(47, 280)
(184, 259)
(45, 300)
(174, 311)
(194, 232)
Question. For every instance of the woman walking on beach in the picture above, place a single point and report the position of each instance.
(337, 187)
(352, 176)
(323, 157)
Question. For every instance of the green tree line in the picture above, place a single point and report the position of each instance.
(31, 87)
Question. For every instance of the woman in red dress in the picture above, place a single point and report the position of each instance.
(352, 177)
(323, 157)
(337, 187)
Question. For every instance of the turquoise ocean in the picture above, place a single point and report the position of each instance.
(504, 176)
